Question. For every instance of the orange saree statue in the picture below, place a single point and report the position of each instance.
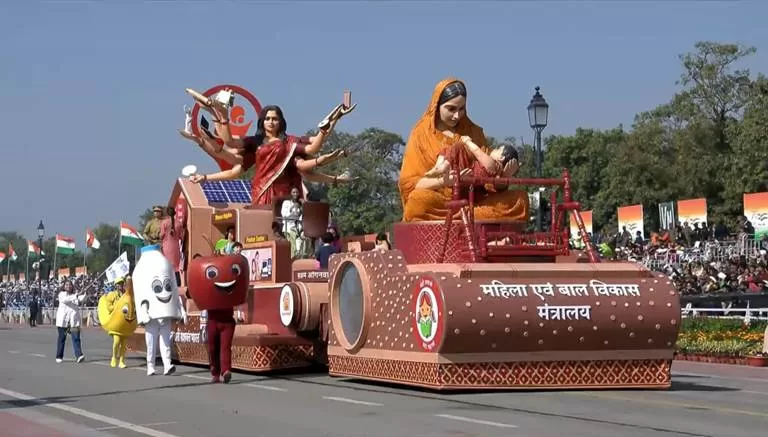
(421, 152)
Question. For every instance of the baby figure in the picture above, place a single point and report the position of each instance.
(505, 163)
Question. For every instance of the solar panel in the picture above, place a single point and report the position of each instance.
(234, 191)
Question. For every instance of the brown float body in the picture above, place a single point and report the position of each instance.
(513, 325)
(261, 342)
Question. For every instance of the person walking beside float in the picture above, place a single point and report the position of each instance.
(68, 321)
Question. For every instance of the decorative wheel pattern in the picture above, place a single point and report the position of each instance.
(522, 375)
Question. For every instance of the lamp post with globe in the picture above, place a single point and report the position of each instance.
(538, 111)
(40, 235)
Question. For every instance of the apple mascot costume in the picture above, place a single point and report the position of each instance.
(218, 284)
(158, 304)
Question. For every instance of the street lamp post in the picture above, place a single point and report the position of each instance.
(40, 235)
(538, 110)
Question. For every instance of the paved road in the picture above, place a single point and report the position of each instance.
(41, 398)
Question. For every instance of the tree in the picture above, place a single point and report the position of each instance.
(108, 236)
(748, 164)
(372, 202)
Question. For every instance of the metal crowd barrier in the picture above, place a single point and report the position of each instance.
(46, 316)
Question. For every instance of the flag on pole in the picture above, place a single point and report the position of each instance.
(129, 235)
(90, 239)
(11, 253)
(119, 268)
(32, 248)
(65, 245)
(2, 257)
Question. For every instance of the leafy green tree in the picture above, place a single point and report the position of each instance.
(372, 202)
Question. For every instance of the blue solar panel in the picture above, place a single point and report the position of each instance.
(235, 191)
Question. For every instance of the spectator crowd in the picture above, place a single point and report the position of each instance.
(701, 259)
(17, 295)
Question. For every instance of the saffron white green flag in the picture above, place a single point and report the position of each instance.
(90, 239)
(130, 236)
(65, 245)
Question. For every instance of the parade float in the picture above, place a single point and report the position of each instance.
(449, 307)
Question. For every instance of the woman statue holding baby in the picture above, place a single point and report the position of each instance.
(444, 137)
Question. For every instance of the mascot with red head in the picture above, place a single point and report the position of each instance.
(218, 284)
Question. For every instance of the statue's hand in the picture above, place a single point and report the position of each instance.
(448, 178)
(197, 178)
(219, 110)
(190, 136)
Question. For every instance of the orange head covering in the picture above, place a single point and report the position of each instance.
(426, 142)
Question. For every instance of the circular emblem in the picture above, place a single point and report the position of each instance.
(241, 117)
(286, 305)
(427, 307)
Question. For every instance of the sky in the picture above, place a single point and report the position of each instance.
(93, 91)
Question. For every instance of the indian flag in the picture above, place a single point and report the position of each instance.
(65, 245)
(32, 248)
(2, 257)
(130, 236)
(11, 253)
(90, 239)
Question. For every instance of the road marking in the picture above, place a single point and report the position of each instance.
(736, 390)
(14, 352)
(754, 392)
(707, 375)
(352, 401)
(106, 428)
(668, 403)
(477, 421)
(87, 414)
(265, 387)
(207, 378)
(37, 355)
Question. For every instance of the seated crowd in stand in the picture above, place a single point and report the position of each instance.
(700, 259)
(17, 294)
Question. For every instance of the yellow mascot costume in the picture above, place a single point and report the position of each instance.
(117, 315)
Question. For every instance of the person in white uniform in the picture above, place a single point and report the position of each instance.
(68, 320)
(158, 305)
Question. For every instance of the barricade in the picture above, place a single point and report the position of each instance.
(47, 316)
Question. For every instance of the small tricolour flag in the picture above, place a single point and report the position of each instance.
(32, 248)
(2, 257)
(129, 235)
(90, 240)
(11, 253)
(65, 245)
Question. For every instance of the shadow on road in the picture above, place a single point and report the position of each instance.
(690, 386)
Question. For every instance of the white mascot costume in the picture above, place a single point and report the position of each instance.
(158, 304)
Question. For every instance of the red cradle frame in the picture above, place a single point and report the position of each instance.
(553, 242)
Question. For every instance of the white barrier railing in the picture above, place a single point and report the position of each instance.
(725, 313)
(47, 316)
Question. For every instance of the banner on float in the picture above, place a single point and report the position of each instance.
(756, 211)
(632, 217)
(692, 211)
(586, 216)
(667, 218)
